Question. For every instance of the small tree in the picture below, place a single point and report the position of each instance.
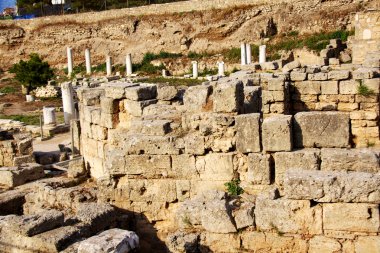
(32, 73)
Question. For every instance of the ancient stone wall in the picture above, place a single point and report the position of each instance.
(15, 149)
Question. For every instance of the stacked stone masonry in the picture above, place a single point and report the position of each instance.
(303, 144)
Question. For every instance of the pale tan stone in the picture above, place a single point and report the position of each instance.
(367, 244)
(324, 244)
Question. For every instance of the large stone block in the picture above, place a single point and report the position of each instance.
(154, 166)
(15, 176)
(367, 244)
(167, 93)
(183, 167)
(227, 243)
(109, 105)
(138, 93)
(308, 87)
(277, 133)
(196, 98)
(154, 190)
(339, 75)
(332, 186)
(150, 127)
(194, 144)
(321, 129)
(252, 99)
(360, 160)
(304, 159)
(228, 97)
(351, 217)
(259, 169)
(113, 240)
(135, 108)
(216, 166)
(150, 145)
(248, 133)
(109, 120)
(348, 87)
(324, 244)
(288, 216)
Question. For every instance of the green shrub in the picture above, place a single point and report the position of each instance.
(8, 90)
(233, 187)
(364, 90)
(27, 119)
(207, 71)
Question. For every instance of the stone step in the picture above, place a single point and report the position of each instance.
(15, 176)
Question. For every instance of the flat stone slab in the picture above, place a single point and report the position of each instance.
(96, 216)
(113, 240)
(332, 186)
(15, 176)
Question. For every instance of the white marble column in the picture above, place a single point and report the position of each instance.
(109, 65)
(195, 69)
(243, 54)
(164, 74)
(87, 55)
(262, 54)
(49, 115)
(249, 53)
(128, 63)
(220, 68)
(68, 102)
(69, 61)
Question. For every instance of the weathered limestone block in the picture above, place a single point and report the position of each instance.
(329, 87)
(30, 225)
(228, 97)
(321, 129)
(228, 243)
(76, 168)
(259, 169)
(291, 65)
(91, 97)
(183, 167)
(272, 96)
(277, 133)
(109, 120)
(182, 242)
(11, 202)
(151, 127)
(150, 145)
(96, 216)
(138, 93)
(96, 115)
(216, 217)
(318, 76)
(196, 98)
(244, 216)
(373, 84)
(305, 159)
(339, 75)
(251, 99)
(351, 217)
(183, 188)
(216, 166)
(15, 176)
(272, 242)
(149, 166)
(113, 240)
(308, 87)
(154, 190)
(348, 87)
(367, 244)
(194, 144)
(288, 216)
(363, 73)
(332, 186)
(360, 160)
(136, 108)
(248, 133)
(109, 105)
(298, 76)
(167, 93)
(323, 244)
(98, 132)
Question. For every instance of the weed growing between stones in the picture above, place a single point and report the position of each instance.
(364, 90)
(233, 187)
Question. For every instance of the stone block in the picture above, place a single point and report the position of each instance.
(321, 129)
(91, 97)
(332, 186)
(324, 244)
(112, 240)
(373, 84)
(288, 216)
(348, 107)
(183, 167)
(298, 76)
(196, 98)
(244, 215)
(351, 217)
(150, 127)
(148, 166)
(339, 75)
(109, 120)
(322, 106)
(308, 87)
(215, 217)
(138, 93)
(154, 190)
(109, 105)
(248, 133)
(216, 166)
(276, 84)
(98, 133)
(167, 93)
(11, 202)
(259, 169)
(228, 243)
(30, 225)
(304, 159)
(96, 216)
(277, 133)
(76, 168)
(329, 87)
(367, 244)
(272, 96)
(348, 87)
(252, 99)
(366, 99)
(228, 97)
(150, 145)
(135, 108)
(363, 73)
(360, 160)
(194, 144)
(96, 116)
(15, 176)
(318, 76)
(291, 65)
(364, 115)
